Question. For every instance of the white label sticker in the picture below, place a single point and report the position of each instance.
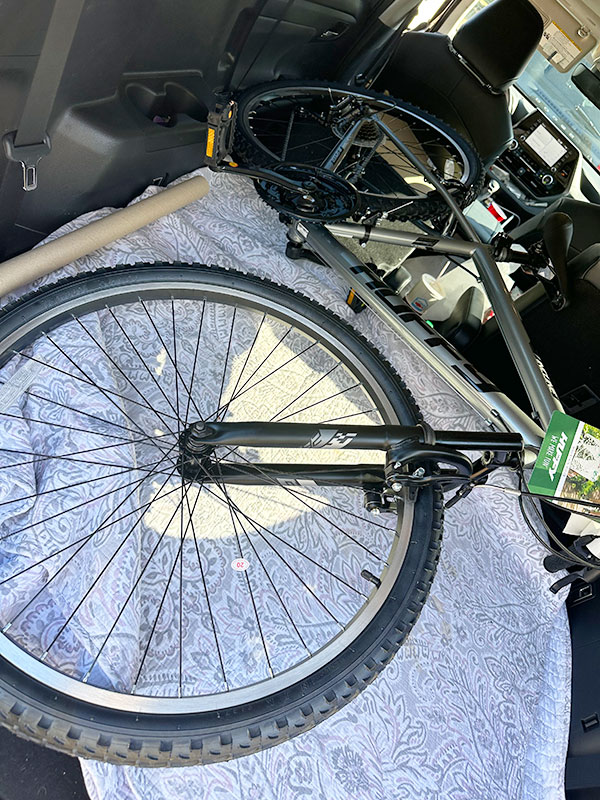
(558, 47)
(239, 564)
(19, 383)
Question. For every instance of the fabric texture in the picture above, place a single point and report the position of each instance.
(476, 704)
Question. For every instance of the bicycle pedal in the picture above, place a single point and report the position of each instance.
(354, 301)
(219, 135)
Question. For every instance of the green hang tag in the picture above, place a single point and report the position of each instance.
(568, 465)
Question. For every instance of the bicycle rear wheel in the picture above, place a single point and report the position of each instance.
(149, 618)
(303, 123)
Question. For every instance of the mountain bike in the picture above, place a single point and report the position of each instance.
(224, 509)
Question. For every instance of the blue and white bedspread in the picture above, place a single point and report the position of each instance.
(476, 705)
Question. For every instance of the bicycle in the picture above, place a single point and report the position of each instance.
(153, 385)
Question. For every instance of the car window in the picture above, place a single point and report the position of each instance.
(556, 95)
(470, 12)
(427, 10)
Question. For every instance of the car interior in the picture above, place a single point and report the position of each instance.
(112, 97)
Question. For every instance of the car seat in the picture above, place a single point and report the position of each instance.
(463, 81)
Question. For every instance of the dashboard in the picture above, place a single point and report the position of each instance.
(540, 158)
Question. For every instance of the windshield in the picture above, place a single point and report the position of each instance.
(554, 93)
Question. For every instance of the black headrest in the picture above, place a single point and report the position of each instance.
(499, 40)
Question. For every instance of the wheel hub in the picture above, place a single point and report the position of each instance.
(368, 134)
(194, 457)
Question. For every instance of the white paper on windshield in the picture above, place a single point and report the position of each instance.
(558, 48)
(545, 145)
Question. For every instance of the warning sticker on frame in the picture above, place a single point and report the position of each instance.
(568, 464)
(558, 48)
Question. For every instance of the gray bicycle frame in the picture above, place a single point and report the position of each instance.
(495, 407)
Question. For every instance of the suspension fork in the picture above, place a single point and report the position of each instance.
(413, 454)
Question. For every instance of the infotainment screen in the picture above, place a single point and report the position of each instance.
(545, 145)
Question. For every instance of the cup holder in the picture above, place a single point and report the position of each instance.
(167, 107)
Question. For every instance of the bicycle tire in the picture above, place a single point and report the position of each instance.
(39, 712)
(249, 151)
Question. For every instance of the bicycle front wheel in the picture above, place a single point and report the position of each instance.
(153, 618)
(304, 123)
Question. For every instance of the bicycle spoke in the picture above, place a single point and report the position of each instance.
(226, 361)
(162, 602)
(71, 408)
(133, 589)
(265, 359)
(248, 584)
(304, 555)
(283, 605)
(142, 361)
(187, 408)
(104, 568)
(182, 536)
(84, 482)
(77, 461)
(318, 402)
(239, 377)
(278, 554)
(117, 367)
(289, 490)
(312, 386)
(323, 502)
(84, 373)
(203, 577)
(176, 370)
(38, 457)
(68, 561)
(270, 374)
(93, 384)
(90, 535)
(67, 510)
(347, 416)
(66, 427)
(288, 133)
(174, 363)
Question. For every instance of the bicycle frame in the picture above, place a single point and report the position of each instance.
(496, 408)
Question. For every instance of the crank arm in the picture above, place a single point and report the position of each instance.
(259, 174)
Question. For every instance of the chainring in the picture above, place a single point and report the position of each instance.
(321, 196)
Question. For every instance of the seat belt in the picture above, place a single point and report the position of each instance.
(31, 142)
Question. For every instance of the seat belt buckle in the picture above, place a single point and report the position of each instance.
(28, 156)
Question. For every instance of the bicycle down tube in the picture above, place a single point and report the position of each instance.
(534, 378)
(494, 406)
(537, 384)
